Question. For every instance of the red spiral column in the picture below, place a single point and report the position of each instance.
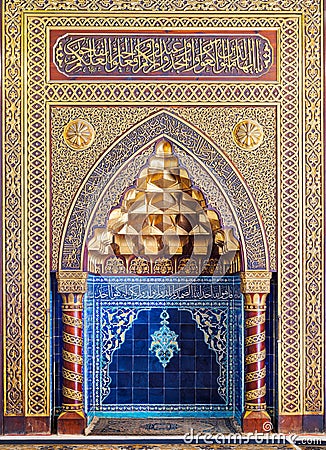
(72, 286)
(255, 285)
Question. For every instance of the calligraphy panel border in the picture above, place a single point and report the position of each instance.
(269, 75)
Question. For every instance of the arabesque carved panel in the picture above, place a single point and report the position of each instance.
(258, 167)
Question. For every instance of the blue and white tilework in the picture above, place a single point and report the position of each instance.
(124, 377)
(164, 341)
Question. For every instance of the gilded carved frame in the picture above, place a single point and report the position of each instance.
(26, 182)
(254, 243)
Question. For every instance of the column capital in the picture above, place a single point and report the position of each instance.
(72, 281)
(255, 281)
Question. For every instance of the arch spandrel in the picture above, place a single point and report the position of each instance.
(164, 123)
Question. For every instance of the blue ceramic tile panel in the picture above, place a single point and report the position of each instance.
(191, 377)
(156, 395)
(124, 395)
(123, 375)
(156, 380)
(171, 380)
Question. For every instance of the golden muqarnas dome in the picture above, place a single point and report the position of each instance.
(164, 222)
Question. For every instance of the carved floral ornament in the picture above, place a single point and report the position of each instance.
(78, 134)
(255, 281)
(72, 281)
(248, 134)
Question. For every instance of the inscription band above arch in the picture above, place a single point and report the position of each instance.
(165, 123)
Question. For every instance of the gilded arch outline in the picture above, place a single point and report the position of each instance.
(165, 123)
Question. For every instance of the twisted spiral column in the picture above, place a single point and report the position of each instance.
(255, 285)
(72, 286)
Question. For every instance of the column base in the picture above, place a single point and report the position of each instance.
(256, 422)
(71, 423)
(300, 423)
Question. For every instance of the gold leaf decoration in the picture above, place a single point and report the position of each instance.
(248, 134)
(79, 134)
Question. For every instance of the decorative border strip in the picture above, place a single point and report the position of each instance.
(255, 357)
(255, 376)
(255, 339)
(72, 321)
(71, 393)
(72, 376)
(72, 357)
(256, 393)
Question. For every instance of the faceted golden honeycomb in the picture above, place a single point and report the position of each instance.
(163, 218)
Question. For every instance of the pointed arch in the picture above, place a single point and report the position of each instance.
(255, 254)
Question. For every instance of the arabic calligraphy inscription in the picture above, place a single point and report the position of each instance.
(150, 56)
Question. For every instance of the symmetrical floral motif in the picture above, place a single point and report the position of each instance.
(114, 265)
(188, 266)
(115, 322)
(164, 341)
(139, 266)
(163, 266)
(248, 134)
(214, 323)
(79, 134)
(209, 266)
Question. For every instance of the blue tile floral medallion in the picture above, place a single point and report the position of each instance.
(164, 341)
